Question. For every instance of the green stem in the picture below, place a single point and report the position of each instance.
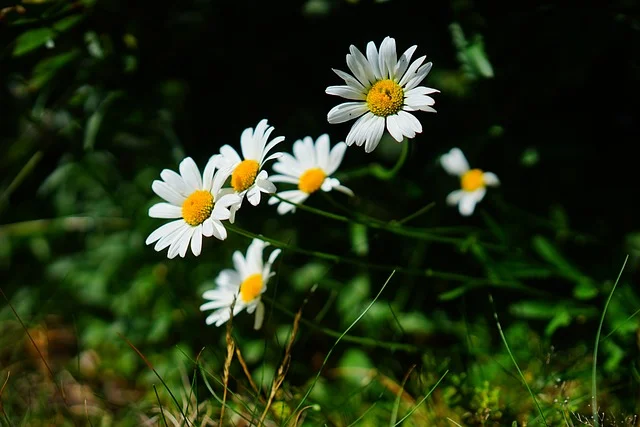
(394, 227)
(428, 272)
(378, 171)
(24, 172)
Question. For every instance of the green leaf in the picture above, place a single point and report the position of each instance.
(549, 252)
(32, 39)
(415, 323)
(353, 296)
(561, 319)
(585, 289)
(67, 23)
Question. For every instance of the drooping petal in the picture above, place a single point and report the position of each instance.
(196, 240)
(164, 230)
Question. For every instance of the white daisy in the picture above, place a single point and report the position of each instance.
(199, 203)
(472, 181)
(384, 89)
(310, 168)
(245, 284)
(247, 177)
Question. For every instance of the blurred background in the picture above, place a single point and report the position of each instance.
(98, 96)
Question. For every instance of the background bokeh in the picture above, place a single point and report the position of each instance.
(98, 96)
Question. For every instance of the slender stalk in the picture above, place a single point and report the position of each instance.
(594, 385)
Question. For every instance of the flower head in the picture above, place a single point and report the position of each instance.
(247, 176)
(197, 202)
(310, 168)
(473, 182)
(245, 285)
(384, 90)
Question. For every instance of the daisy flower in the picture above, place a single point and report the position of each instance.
(198, 204)
(384, 90)
(247, 177)
(245, 284)
(472, 181)
(310, 168)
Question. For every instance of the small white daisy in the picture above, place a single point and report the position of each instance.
(472, 181)
(310, 168)
(245, 284)
(247, 177)
(199, 203)
(384, 89)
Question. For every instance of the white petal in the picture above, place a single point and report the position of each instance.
(207, 176)
(387, 58)
(454, 197)
(343, 189)
(295, 196)
(288, 165)
(207, 228)
(372, 57)
(360, 67)
(409, 124)
(196, 240)
(191, 174)
(322, 152)
(335, 157)
(304, 152)
(411, 71)
(180, 243)
(165, 210)
(403, 62)
(490, 179)
(219, 232)
(284, 178)
(230, 156)
(266, 186)
(253, 195)
(454, 162)
(168, 193)
(175, 181)
(163, 230)
(248, 144)
(394, 128)
(420, 90)
(376, 129)
(240, 264)
(170, 238)
(257, 323)
(269, 147)
(421, 73)
(467, 204)
(346, 92)
(346, 111)
(349, 80)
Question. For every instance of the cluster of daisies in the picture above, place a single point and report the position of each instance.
(382, 92)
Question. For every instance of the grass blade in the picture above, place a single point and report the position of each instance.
(594, 385)
(513, 359)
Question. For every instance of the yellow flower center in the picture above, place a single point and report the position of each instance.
(197, 208)
(385, 98)
(244, 175)
(311, 180)
(251, 287)
(472, 180)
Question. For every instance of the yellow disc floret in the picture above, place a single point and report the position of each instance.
(385, 98)
(197, 208)
(472, 180)
(244, 175)
(311, 180)
(251, 287)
